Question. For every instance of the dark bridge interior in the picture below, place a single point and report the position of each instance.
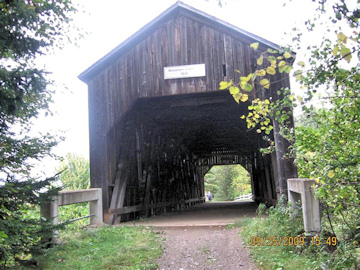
(172, 141)
(153, 139)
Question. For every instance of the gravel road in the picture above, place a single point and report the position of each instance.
(205, 247)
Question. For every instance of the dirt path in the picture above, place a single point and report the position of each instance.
(197, 238)
(200, 248)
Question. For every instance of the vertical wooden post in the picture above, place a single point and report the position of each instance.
(280, 153)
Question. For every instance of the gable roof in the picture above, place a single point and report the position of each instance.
(177, 8)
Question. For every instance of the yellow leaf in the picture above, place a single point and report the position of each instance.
(300, 99)
(298, 75)
(342, 37)
(237, 97)
(265, 83)
(255, 45)
(301, 63)
(287, 55)
(242, 117)
(244, 97)
(230, 83)
(260, 60)
(234, 90)
(272, 51)
(288, 69)
(223, 85)
(335, 50)
(249, 77)
(291, 97)
(282, 63)
(242, 84)
(266, 101)
(346, 53)
(261, 72)
(331, 174)
(270, 70)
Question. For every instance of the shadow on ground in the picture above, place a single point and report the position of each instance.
(206, 214)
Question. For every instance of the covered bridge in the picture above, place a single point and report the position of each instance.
(158, 121)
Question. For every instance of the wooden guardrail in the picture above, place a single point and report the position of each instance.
(244, 197)
(138, 208)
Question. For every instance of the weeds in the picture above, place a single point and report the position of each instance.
(269, 235)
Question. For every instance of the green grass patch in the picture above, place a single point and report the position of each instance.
(258, 233)
(104, 248)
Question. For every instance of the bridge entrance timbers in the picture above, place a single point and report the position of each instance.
(153, 138)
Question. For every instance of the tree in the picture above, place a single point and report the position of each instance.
(328, 147)
(28, 29)
(227, 182)
(75, 172)
(241, 183)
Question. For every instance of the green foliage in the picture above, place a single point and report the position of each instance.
(22, 232)
(27, 29)
(327, 147)
(227, 182)
(75, 172)
(73, 211)
(262, 235)
(105, 248)
(328, 150)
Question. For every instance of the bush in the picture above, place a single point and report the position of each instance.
(277, 222)
(22, 232)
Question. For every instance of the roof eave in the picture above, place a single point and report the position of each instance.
(86, 75)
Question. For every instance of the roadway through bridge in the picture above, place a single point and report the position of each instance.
(202, 215)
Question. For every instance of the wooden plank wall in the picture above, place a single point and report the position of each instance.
(155, 174)
(139, 73)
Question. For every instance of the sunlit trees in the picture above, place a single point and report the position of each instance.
(227, 182)
(75, 172)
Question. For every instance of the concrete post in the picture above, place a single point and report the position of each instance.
(93, 196)
(96, 208)
(50, 211)
(301, 188)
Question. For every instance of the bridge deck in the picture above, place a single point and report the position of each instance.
(206, 214)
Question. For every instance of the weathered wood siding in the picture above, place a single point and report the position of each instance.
(139, 73)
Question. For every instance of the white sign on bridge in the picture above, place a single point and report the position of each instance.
(188, 71)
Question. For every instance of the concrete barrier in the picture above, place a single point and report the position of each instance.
(93, 196)
(300, 189)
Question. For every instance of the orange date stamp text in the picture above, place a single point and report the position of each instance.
(292, 241)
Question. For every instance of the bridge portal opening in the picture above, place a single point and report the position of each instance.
(168, 146)
(228, 183)
(153, 137)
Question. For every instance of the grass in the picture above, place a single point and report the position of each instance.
(274, 257)
(277, 223)
(104, 248)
